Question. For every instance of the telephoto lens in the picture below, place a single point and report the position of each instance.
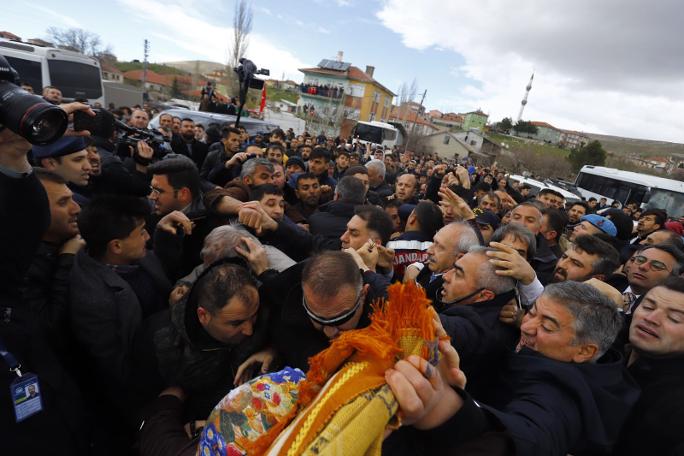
(38, 121)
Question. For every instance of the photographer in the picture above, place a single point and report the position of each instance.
(24, 207)
(128, 176)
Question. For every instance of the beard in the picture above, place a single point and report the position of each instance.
(562, 275)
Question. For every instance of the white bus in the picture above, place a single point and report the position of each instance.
(377, 133)
(76, 75)
(628, 187)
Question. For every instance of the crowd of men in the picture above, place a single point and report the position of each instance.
(142, 284)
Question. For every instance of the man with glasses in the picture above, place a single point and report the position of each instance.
(649, 267)
(315, 301)
(176, 197)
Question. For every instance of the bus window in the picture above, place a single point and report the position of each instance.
(389, 135)
(369, 133)
(671, 202)
(75, 80)
(29, 72)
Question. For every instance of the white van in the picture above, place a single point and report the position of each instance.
(75, 74)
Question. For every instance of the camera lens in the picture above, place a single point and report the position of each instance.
(30, 116)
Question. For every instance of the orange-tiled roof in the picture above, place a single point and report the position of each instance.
(109, 68)
(409, 116)
(537, 123)
(152, 77)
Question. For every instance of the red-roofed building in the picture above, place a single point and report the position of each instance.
(111, 73)
(154, 82)
(408, 118)
(449, 121)
(545, 133)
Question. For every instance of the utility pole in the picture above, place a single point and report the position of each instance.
(146, 49)
(413, 127)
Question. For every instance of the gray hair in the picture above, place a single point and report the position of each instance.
(486, 274)
(249, 167)
(519, 233)
(351, 190)
(379, 165)
(467, 238)
(221, 241)
(597, 319)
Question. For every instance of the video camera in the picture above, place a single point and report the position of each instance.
(104, 124)
(29, 116)
(246, 71)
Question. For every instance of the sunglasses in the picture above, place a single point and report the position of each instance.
(655, 265)
(337, 320)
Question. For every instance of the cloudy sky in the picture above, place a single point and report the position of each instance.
(609, 66)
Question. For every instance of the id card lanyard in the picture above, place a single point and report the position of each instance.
(10, 360)
(24, 390)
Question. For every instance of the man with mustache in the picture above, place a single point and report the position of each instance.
(588, 257)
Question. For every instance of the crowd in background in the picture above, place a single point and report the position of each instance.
(145, 280)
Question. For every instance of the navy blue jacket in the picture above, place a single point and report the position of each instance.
(549, 407)
(482, 341)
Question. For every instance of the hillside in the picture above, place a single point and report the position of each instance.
(158, 68)
(196, 66)
(626, 146)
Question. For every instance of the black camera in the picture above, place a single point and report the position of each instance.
(104, 124)
(246, 71)
(29, 116)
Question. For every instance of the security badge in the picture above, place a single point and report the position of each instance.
(26, 396)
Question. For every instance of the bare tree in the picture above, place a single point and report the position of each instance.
(242, 26)
(413, 90)
(79, 40)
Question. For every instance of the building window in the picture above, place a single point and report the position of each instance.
(446, 139)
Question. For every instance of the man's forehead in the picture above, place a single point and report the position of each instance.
(667, 298)
(272, 198)
(548, 307)
(356, 222)
(657, 254)
(527, 211)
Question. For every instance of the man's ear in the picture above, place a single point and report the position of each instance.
(48, 163)
(185, 195)
(247, 180)
(114, 246)
(585, 353)
(203, 315)
(488, 295)
(549, 235)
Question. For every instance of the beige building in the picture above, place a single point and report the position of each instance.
(447, 145)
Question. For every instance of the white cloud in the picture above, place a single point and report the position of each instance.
(63, 18)
(612, 66)
(321, 29)
(196, 37)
